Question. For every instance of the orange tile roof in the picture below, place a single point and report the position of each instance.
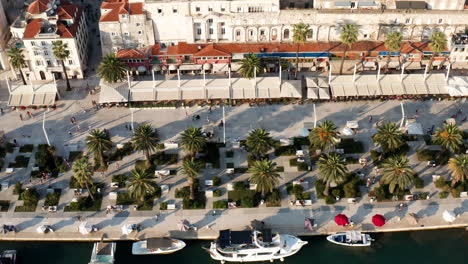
(120, 7)
(183, 48)
(131, 54)
(32, 28)
(38, 6)
(155, 49)
(212, 50)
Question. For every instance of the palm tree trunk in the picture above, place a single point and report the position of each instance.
(66, 75)
(22, 76)
(326, 192)
(192, 191)
(388, 61)
(297, 61)
(90, 192)
(148, 159)
(101, 157)
(431, 61)
(342, 61)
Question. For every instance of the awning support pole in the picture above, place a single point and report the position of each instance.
(152, 74)
(44, 129)
(255, 82)
(402, 115)
(354, 73)
(448, 72)
(8, 85)
(425, 71)
(329, 75)
(378, 72)
(315, 118)
(402, 71)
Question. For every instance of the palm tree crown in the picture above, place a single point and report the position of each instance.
(449, 137)
(332, 169)
(397, 173)
(17, 60)
(249, 65)
(458, 165)
(265, 175)
(393, 40)
(389, 137)
(193, 140)
(112, 69)
(259, 142)
(141, 184)
(300, 32)
(438, 42)
(145, 139)
(83, 174)
(324, 136)
(349, 35)
(62, 53)
(191, 169)
(97, 142)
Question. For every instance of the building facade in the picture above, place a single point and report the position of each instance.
(43, 23)
(4, 37)
(124, 24)
(459, 48)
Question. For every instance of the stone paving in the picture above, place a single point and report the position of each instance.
(282, 121)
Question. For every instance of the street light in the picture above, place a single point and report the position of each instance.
(44, 129)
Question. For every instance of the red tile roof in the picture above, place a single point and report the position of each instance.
(38, 6)
(182, 48)
(32, 28)
(212, 50)
(131, 54)
(119, 7)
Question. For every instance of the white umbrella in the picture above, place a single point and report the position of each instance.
(449, 216)
(85, 228)
(347, 131)
(184, 225)
(44, 229)
(127, 229)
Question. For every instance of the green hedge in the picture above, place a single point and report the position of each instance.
(28, 148)
(351, 146)
(84, 204)
(220, 204)
(52, 199)
(120, 178)
(273, 199)
(20, 162)
(162, 158)
(216, 181)
(119, 154)
(285, 151)
(440, 157)
(217, 193)
(162, 206)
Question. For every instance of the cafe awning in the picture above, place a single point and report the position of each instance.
(37, 94)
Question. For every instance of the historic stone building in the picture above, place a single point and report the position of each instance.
(4, 37)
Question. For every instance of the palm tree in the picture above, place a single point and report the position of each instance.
(458, 165)
(17, 61)
(62, 53)
(191, 169)
(264, 174)
(83, 174)
(111, 69)
(324, 136)
(193, 140)
(392, 42)
(438, 43)
(140, 185)
(145, 139)
(349, 35)
(332, 168)
(449, 137)
(250, 64)
(259, 142)
(389, 137)
(300, 32)
(397, 172)
(97, 142)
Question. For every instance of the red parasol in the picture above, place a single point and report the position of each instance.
(341, 220)
(378, 220)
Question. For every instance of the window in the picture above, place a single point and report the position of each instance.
(174, 10)
(49, 63)
(408, 20)
(223, 9)
(223, 31)
(126, 33)
(239, 9)
(456, 49)
(210, 30)
(70, 62)
(38, 63)
(43, 43)
(238, 33)
(197, 9)
(462, 49)
(137, 24)
(36, 53)
(310, 34)
(46, 53)
(139, 32)
(112, 33)
(262, 32)
(159, 10)
(366, 36)
(33, 43)
(210, 8)
(286, 34)
(251, 33)
(441, 20)
(198, 31)
(210, 20)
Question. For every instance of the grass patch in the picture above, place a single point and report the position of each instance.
(120, 178)
(211, 152)
(120, 153)
(243, 196)
(84, 204)
(440, 157)
(20, 162)
(220, 204)
(349, 188)
(217, 181)
(184, 193)
(443, 195)
(162, 158)
(285, 151)
(4, 205)
(52, 199)
(273, 199)
(30, 197)
(349, 145)
(301, 166)
(10, 147)
(28, 148)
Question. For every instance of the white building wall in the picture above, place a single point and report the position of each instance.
(4, 36)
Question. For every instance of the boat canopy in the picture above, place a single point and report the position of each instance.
(228, 237)
(159, 242)
(353, 235)
(267, 235)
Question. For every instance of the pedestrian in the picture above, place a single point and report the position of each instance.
(14, 141)
(401, 207)
(21, 117)
(102, 174)
(1, 111)
(72, 120)
(210, 109)
(70, 133)
(28, 113)
(368, 182)
(117, 165)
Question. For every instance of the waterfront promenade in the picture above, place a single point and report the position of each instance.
(282, 121)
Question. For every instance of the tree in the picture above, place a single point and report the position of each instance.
(438, 43)
(332, 169)
(83, 174)
(392, 42)
(112, 69)
(458, 165)
(62, 53)
(389, 137)
(191, 168)
(397, 173)
(145, 139)
(17, 61)
(97, 142)
(140, 185)
(259, 142)
(324, 136)
(265, 175)
(250, 64)
(450, 137)
(349, 35)
(300, 32)
(193, 140)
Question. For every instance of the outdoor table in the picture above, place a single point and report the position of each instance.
(160, 173)
(209, 182)
(230, 171)
(164, 188)
(114, 185)
(9, 170)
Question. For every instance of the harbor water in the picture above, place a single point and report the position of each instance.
(437, 246)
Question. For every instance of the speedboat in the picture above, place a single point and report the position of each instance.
(351, 239)
(103, 253)
(156, 246)
(8, 257)
(251, 246)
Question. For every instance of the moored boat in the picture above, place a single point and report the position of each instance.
(8, 257)
(156, 246)
(103, 253)
(252, 246)
(351, 239)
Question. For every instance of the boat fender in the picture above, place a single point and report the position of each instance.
(271, 260)
(282, 259)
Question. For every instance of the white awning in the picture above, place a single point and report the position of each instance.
(173, 67)
(39, 94)
(190, 67)
(324, 94)
(312, 93)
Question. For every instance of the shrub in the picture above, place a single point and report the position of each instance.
(162, 158)
(10, 147)
(52, 199)
(194, 204)
(329, 200)
(163, 206)
(349, 145)
(302, 166)
(293, 162)
(241, 170)
(443, 195)
(74, 155)
(301, 141)
(4, 205)
(160, 146)
(424, 155)
(229, 154)
(337, 193)
(280, 169)
(423, 196)
(418, 182)
(441, 183)
(120, 178)
(124, 198)
(20, 162)
(217, 193)
(247, 201)
(120, 153)
(18, 188)
(352, 160)
(183, 192)
(29, 196)
(2, 152)
(216, 181)
(239, 186)
(455, 193)
(375, 155)
(230, 165)
(274, 198)
(319, 188)
(220, 204)
(28, 148)
(285, 151)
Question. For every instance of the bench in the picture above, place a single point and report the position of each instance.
(165, 188)
(171, 206)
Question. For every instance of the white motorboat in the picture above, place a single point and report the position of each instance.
(351, 239)
(8, 257)
(156, 246)
(251, 246)
(103, 253)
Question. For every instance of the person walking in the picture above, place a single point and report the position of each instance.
(21, 117)
(29, 114)
(1, 111)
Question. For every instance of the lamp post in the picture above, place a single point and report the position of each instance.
(44, 129)
(224, 126)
